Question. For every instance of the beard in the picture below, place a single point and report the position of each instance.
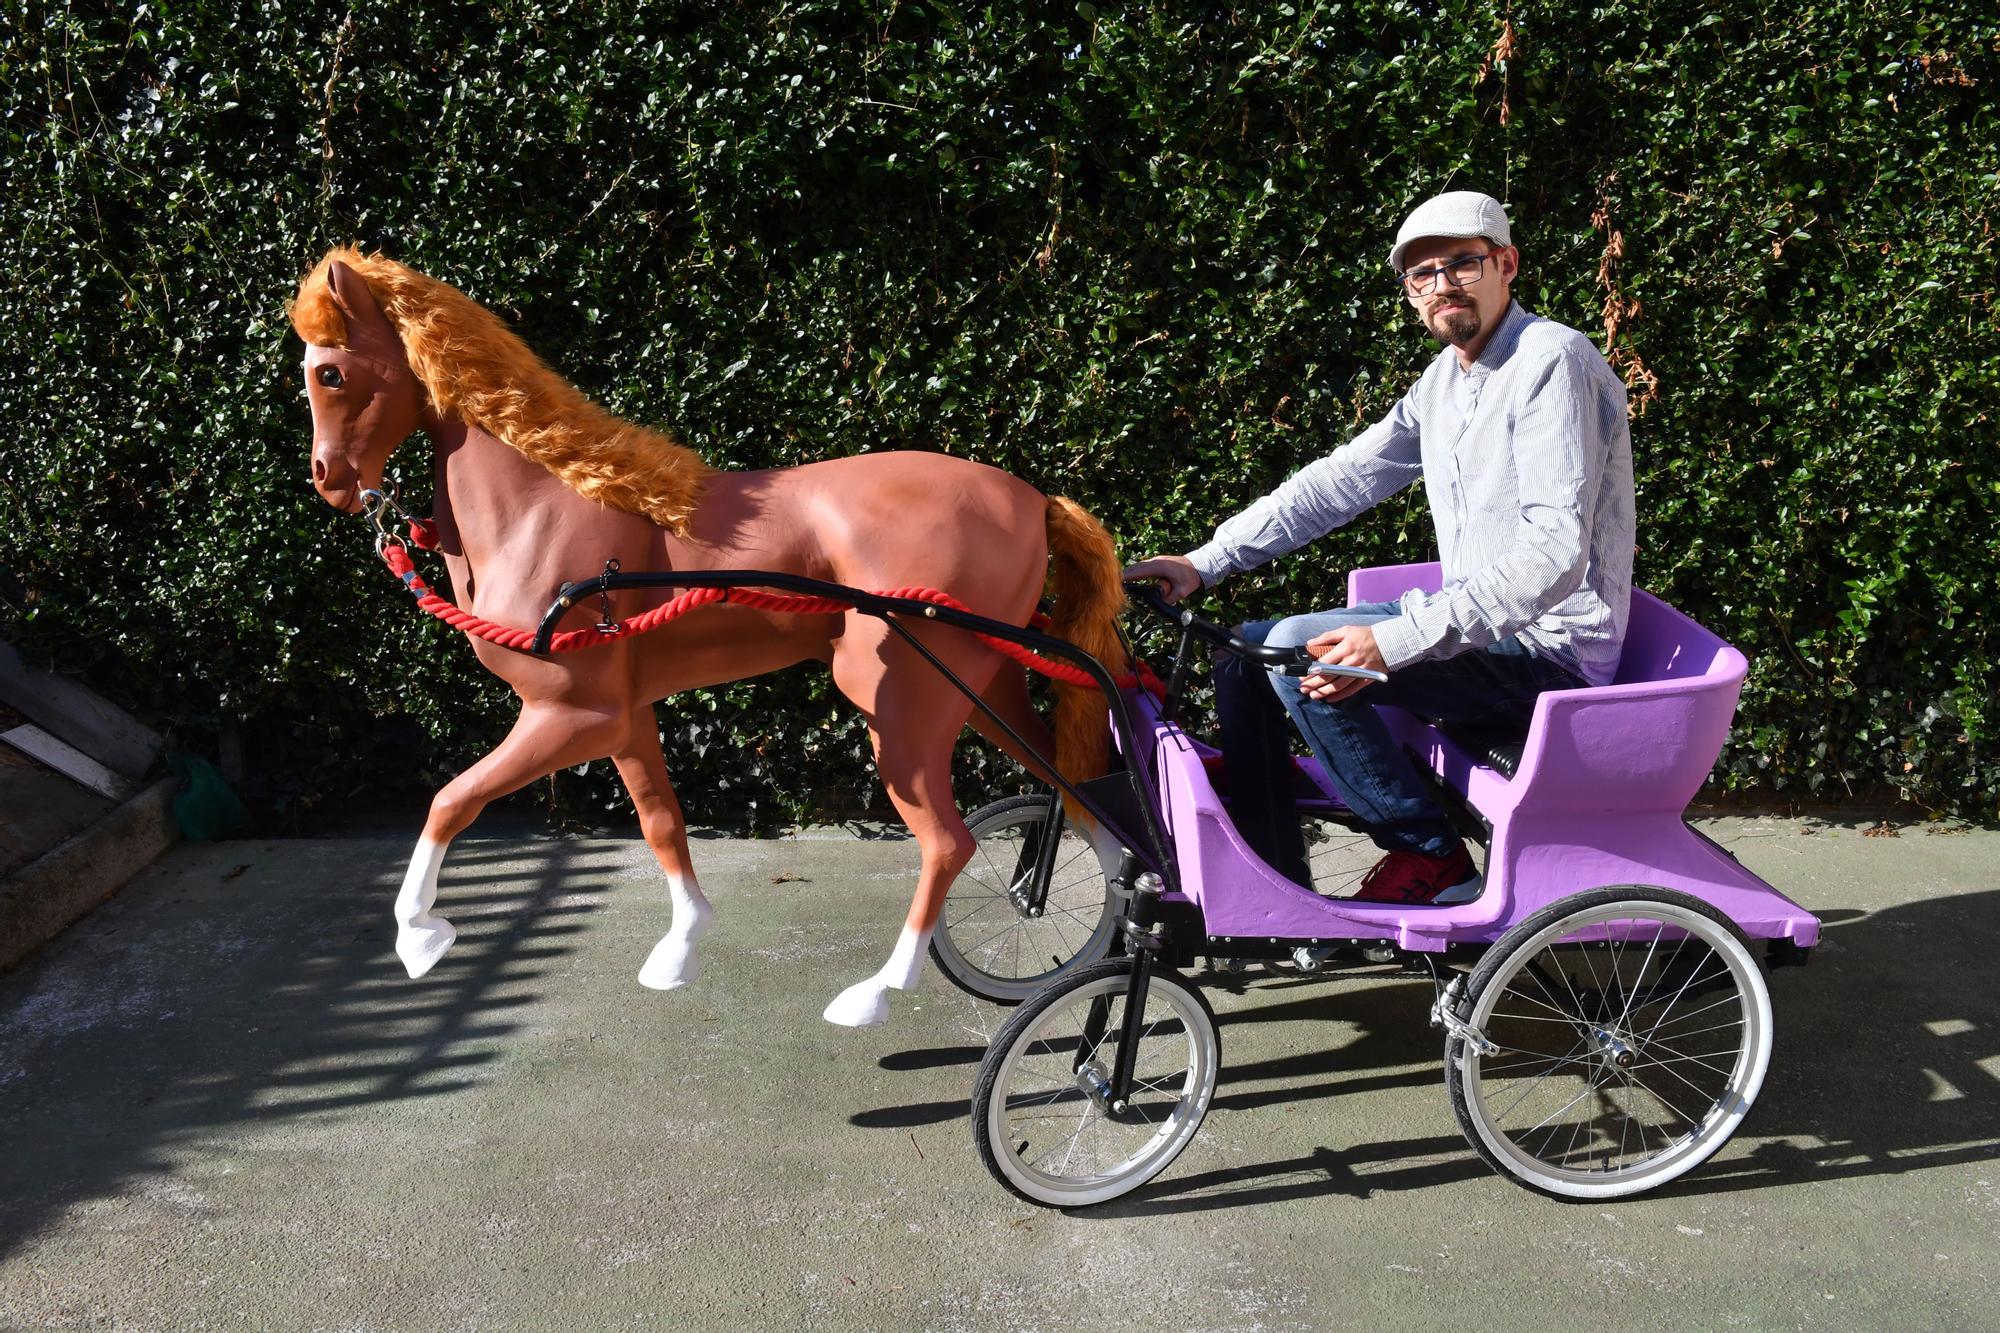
(1454, 326)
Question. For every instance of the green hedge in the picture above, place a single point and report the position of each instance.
(1132, 258)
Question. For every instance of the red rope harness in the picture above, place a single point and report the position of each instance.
(693, 599)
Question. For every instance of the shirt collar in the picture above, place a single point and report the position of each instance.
(1501, 345)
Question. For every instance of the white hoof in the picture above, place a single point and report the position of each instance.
(671, 965)
(421, 946)
(865, 1004)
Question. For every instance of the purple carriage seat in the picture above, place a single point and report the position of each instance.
(1604, 778)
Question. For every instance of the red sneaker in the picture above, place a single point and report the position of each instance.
(1412, 877)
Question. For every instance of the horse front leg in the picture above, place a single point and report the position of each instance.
(643, 768)
(919, 785)
(544, 738)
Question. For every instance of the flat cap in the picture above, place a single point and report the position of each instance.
(1457, 213)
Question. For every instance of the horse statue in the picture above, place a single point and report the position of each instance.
(536, 485)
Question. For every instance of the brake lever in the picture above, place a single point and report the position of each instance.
(1310, 668)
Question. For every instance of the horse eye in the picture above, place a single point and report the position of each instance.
(330, 376)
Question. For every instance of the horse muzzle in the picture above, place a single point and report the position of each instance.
(337, 483)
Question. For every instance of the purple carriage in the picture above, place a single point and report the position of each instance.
(1607, 1023)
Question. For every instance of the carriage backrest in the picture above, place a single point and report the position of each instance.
(1664, 644)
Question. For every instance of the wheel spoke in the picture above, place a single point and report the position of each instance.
(1675, 998)
(1625, 1014)
(1534, 1058)
(1698, 1032)
(1571, 1019)
(990, 900)
(1001, 879)
(1074, 1139)
(987, 942)
(1647, 1035)
(1669, 1067)
(1675, 1055)
(1539, 1079)
(1587, 1090)
(1633, 1078)
(1004, 935)
(1590, 964)
(1159, 1085)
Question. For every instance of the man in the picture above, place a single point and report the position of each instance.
(1518, 431)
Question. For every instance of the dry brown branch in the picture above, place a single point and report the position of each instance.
(1641, 382)
(1503, 51)
(341, 37)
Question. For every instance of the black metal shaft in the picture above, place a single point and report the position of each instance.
(885, 608)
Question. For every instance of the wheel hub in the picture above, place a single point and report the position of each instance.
(1095, 1084)
(1616, 1048)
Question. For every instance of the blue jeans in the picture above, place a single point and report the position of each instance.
(1487, 687)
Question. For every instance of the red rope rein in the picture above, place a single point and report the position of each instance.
(398, 560)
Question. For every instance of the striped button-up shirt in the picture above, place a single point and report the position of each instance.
(1527, 463)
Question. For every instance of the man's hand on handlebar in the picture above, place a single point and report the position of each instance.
(1349, 646)
(1296, 660)
(1175, 573)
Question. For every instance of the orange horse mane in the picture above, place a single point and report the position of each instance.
(475, 369)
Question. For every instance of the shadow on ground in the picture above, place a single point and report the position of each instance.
(1887, 1061)
(214, 1000)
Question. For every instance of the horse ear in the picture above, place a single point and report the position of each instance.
(356, 302)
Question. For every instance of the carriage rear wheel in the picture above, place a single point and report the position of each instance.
(1612, 1041)
(1021, 914)
(1042, 1116)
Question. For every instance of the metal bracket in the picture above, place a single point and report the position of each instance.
(1444, 1014)
(605, 624)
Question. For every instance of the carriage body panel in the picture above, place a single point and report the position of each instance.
(1597, 798)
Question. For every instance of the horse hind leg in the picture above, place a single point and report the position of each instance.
(916, 770)
(671, 965)
(542, 740)
(1008, 697)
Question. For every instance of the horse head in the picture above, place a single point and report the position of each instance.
(365, 399)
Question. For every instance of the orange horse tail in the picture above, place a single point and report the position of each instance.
(1088, 598)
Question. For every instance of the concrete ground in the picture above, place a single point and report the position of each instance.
(222, 1105)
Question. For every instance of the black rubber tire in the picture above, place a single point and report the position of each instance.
(1003, 1152)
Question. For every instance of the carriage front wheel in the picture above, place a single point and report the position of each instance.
(1609, 1043)
(1042, 1115)
(1025, 911)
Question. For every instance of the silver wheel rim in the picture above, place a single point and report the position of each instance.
(1633, 1039)
(985, 941)
(1060, 1145)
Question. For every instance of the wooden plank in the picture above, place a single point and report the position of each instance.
(67, 760)
(77, 715)
(66, 881)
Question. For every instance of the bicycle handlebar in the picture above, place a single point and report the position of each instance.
(1285, 661)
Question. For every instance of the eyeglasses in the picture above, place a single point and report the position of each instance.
(1460, 272)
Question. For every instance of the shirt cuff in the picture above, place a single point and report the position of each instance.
(1210, 561)
(1396, 639)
